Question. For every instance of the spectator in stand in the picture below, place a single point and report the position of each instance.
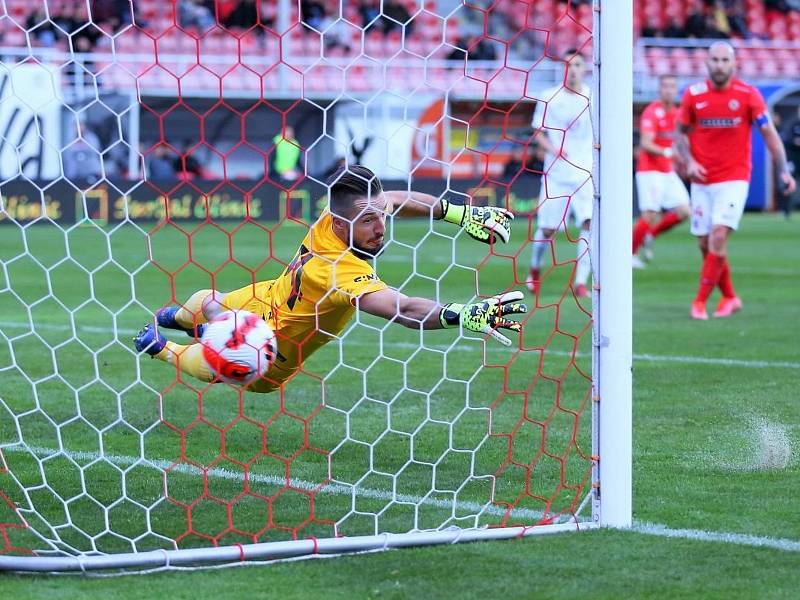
(370, 10)
(312, 14)
(696, 19)
(159, 164)
(458, 52)
(482, 50)
(66, 19)
(735, 10)
(82, 160)
(45, 34)
(651, 30)
(244, 16)
(718, 17)
(114, 13)
(196, 14)
(336, 34)
(398, 16)
(286, 155)
(674, 29)
(783, 6)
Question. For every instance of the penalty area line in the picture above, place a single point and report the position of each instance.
(666, 358)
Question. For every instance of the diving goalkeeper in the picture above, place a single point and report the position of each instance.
(315, 297)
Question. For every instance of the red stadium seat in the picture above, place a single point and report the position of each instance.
(748, 68)
(769, 68)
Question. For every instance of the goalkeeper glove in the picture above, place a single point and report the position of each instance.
(481, 222)
(486, 316)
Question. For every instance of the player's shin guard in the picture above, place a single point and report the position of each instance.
(192, 310)
(725, 282)
(709, 276)
(189, 359)
(640, 231)
(584, 267)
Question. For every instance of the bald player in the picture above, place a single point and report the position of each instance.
(713, 139)
(330, 278)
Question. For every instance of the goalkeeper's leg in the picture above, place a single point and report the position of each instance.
(190, 317)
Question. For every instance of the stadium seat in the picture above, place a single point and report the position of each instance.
(682, 63)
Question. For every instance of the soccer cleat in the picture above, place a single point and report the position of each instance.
(638, 263)
(149, 340)
(166, 318)
(698, 311)
(727, 306)
(581, 291)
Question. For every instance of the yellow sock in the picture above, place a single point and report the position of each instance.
(189, 359)
(192, 310)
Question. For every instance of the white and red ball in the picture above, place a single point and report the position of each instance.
(239, 346)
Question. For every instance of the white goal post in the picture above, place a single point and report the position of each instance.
(70, 525)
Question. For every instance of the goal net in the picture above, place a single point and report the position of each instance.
(181, 146)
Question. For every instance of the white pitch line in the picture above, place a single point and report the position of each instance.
(706, 360)
(331, 488)
(739, 539)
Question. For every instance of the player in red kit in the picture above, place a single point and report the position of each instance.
(713, 138)
(659, 187)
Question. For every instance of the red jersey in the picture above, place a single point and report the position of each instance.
(720, 122)
(661, 123)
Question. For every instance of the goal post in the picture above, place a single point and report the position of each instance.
(613, 308)
(386, 437)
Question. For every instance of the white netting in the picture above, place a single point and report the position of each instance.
(385, 429)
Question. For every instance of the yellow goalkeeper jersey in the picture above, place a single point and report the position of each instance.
(310, 302)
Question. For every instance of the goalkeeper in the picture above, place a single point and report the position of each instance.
(315, 297)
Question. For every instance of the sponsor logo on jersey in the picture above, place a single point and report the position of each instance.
(721, 123)
(698, 88)
(370, 277)
(701, 105)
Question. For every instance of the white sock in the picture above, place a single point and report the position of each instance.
(584, 268)
(540, 246)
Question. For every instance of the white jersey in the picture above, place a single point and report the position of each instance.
(564, 116)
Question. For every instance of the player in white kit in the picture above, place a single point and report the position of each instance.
(563, 127)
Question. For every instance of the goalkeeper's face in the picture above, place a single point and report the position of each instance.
(368, 226)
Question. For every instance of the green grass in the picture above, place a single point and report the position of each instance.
(703, 435)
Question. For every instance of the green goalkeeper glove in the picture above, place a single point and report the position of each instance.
(481, 222)
(486, 316)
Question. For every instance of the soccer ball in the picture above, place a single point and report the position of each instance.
(238, 346)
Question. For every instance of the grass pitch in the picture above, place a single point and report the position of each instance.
(715, 432)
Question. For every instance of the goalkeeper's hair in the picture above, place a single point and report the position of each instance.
(349, 183)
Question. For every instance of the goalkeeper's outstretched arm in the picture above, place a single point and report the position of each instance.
(483, 316)
(483, 223)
